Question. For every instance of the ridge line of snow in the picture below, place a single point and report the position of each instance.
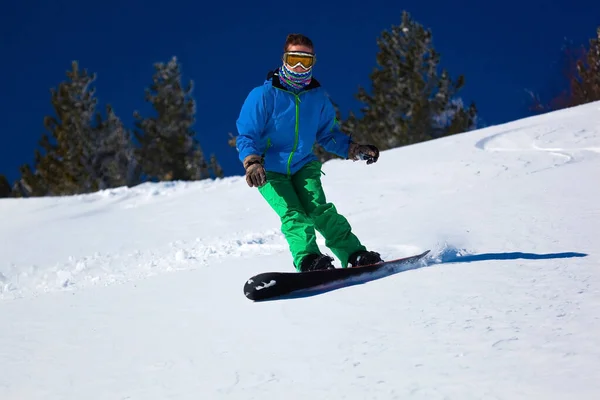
(19, 281)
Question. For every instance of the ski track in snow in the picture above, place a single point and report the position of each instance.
(104, 269)
(529, 140)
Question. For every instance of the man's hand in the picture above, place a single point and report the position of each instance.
(255, 172)
(363, 152)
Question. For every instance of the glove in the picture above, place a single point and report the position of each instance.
(255, 172)
(363, 152)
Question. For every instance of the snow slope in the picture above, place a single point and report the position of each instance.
(137, 294)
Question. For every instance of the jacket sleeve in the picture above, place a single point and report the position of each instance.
(329, 135)
(250, 124)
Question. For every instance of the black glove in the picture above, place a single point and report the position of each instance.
(363, 152)
(255, 172)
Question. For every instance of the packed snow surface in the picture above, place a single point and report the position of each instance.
(137, 293)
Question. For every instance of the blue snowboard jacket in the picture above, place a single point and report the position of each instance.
(283, 126)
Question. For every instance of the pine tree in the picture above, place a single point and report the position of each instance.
(33, 183)
(558, 92)
(232, 141)
(579, 82)
(586, 84)
(67, 165)
(5, 190)
(410, 101)
(168, 148)
(115, 158)
(216, 167)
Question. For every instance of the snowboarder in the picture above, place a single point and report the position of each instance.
(279, 123)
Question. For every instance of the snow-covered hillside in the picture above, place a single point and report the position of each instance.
(137, 294)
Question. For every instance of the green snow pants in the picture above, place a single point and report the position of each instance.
(300, 203)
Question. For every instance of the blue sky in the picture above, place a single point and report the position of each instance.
(502, 49)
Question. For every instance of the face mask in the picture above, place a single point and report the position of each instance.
(295, 80)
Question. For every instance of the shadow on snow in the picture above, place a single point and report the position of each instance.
(446, 256)
(509, 256)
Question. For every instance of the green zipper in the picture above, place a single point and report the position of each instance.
(267, 147)
(297, 100)
(295, 134)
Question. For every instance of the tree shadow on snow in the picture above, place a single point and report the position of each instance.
(446, 256)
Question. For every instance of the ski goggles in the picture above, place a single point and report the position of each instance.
(298, 58)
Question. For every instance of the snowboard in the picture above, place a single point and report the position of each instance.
(273, 284)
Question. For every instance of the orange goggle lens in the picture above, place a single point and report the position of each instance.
(293, 59)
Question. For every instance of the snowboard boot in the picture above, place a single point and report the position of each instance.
(315, 262)
(364, 257)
